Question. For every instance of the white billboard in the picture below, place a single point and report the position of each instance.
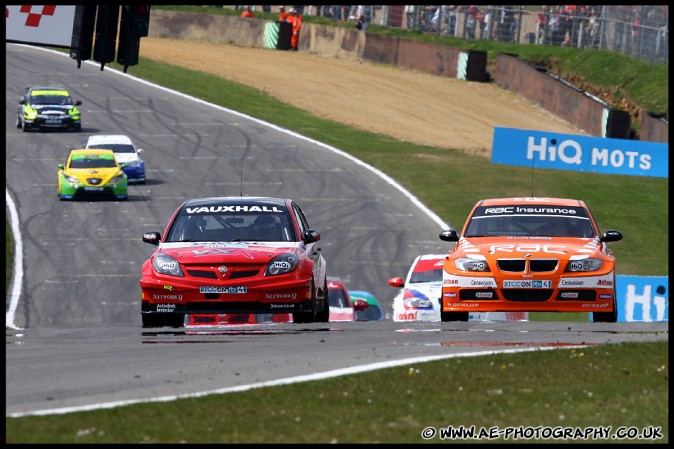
(40, 24)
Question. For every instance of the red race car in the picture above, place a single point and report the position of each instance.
(341, 307)
(234, 255)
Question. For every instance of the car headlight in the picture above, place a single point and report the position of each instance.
(116, 179)
(467, 264)
(30, 114)
(71, 179)
(419, 303)
(285, 263)
(133, 163)
(584, 265)
(166, 264)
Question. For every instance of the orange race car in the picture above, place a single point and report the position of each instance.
(529, 254)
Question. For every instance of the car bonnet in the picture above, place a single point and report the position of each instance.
(538, 247)
(82, 174)
(221, 252)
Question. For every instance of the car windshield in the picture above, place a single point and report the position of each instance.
(337, 298)
(372, 313)
(529, 225)
(434, 275)
(51, 99)
(92, 163)
(227, 226)
(115, 147)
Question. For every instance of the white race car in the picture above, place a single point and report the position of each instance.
(419, 297)
(125, 153)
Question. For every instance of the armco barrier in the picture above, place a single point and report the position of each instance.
(381, 49)
(325, 40)
(426, 57)
(441, 60)
(207, 28)
(654, 127)
(570, 103)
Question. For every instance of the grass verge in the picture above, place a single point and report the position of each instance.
(621, 386)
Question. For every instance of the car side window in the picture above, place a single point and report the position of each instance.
(337, 298)
(301, 220)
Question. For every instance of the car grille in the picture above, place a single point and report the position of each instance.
(482, 295)
(577, 295)
(94, 181)
(106, 193)
(526, 295)
(202, 274)
(213, 274)
(519, 265)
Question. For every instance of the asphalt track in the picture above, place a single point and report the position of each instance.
(73, 333)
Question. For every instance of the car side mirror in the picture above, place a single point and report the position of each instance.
(78, 102)
(396, 282)
(311, 236)
(360, 305)
(22, 101)
(449, 235)
(140, 150)
(61, 166)
(152, 238)
(611, 235)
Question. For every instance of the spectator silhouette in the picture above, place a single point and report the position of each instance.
(247, 12)
(361, 24)
(295, 20)
(282, 15)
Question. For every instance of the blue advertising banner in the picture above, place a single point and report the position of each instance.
(579, 153)
(642, 298)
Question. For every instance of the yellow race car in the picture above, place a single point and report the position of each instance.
(90, 174)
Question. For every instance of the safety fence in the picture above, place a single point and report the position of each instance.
(639, 31)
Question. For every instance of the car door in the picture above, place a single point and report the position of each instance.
(311, 248)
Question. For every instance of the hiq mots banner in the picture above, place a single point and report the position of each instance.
(579, 153)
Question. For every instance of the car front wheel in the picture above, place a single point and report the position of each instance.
(324, 316)
(152, 320)
(606, 317)
(454, 316)
(310, 316)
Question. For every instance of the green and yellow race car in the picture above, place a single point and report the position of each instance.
(43, 108)
(91, 174)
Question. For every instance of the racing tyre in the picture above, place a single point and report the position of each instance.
(175, 320)
(18, 122)
(308, 317)
(606, 317)
(324, 316)
(454, 316)
(152, 320)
